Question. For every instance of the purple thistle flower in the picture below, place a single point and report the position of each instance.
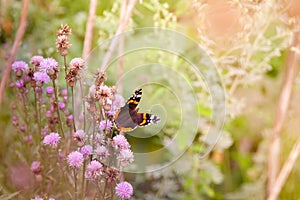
(65, 98)
(19, 66)
(48, 65)
(36, 167)
(125, 157)
(52, 140)
(94, 170)
(61, 105)
(105, 124)
(124, 190)
(80, 135)
(77, 63)
(118, 101)
(49, 91)
(51, 198)
(121, 142)
(23, 128)
(27, 138)
(41, 77)
(86, 150)
(20, 84)
(39, 89)
(13, 106)
(36, 60)
(70, 117)
(27, 79)
(37, 198)
(75, 159)
(101, 151)
(64, 92)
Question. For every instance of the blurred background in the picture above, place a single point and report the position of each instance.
(250, 42)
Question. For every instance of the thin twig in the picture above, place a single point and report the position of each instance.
(281, 110)
(285, 171)
(14, 50)
(87, 45)
(121, 48)
(120, 30)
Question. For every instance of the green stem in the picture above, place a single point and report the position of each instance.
(73, 106)
(57, 109)
(83, 104)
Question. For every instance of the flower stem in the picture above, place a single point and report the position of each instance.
(75, 184)
(83, 181)
(73, 106)
(83, 104)
(56, 105)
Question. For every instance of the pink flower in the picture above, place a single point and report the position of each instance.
(75, 159)
(41, 77)
(61, 105)
(80, 135)
(52, 140)
(48, 65)
(36, 167)
(102, 152)
(94, 170)
(36, 60)
(125, 157)
(77, 63)
(20, 84)
(86, 150)
(105, 124)
(64, 92)
(19, 66)
(49, 90)
(124, 190)
(121, 142)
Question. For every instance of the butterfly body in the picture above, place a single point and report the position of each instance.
(127, 118)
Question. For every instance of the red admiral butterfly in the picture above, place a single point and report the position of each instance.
(127, 118)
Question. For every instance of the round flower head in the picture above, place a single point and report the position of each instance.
(77, 63)
(80, 135)
(124, 190)
(64, 92)
(36, 167)
(51, 198)
(52, 140)
(105, 124)
(75, 159)
(121, 142)
(19, 66)
(61, 105)
(101, 151)
(41, 77)
(49, 90)
(86, 150)
(20, 84)
(36, 60)
(94, 170)
(125, 157)
(49, 65)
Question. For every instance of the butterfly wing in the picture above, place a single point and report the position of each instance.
(127, 117)
(145, 119)
(123, 118)
(134, 100)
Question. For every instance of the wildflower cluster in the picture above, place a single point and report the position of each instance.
(44, 115)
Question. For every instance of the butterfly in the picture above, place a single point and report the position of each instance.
(127, 118)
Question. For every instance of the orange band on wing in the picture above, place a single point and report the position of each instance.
(133, 101)
(144, 119)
